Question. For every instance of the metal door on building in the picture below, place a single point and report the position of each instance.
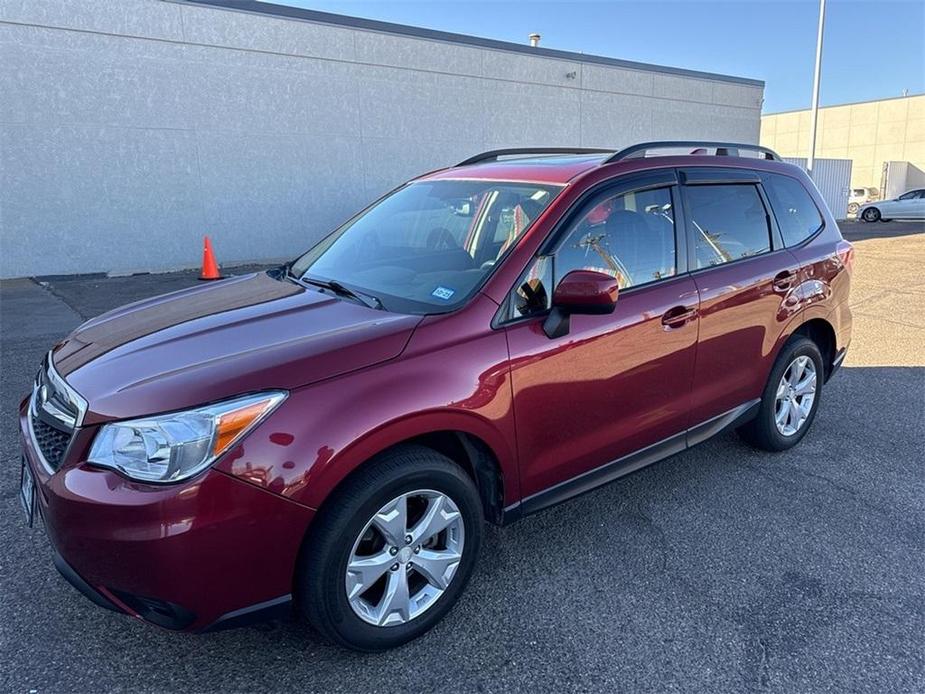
(833, 179)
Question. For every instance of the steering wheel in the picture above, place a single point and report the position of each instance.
(440, 238)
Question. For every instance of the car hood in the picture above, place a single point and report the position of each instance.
(240, 335)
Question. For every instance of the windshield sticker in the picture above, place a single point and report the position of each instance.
(443, 293)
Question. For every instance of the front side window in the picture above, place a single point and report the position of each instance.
(911, 195)
(629, 236)
(729, 222)
(427, 247)
(797, 214)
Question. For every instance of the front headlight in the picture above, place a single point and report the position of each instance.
(174, 447)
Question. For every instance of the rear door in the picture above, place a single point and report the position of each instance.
(744, 276)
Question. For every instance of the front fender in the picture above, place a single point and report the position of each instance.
(325, 431)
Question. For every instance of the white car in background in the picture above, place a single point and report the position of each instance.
(909, 205)
(859, 196)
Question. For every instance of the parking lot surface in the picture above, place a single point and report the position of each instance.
(721, 569)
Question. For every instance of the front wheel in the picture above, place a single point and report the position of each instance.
(790, 398)
(853, 207)
(391, 551)
(871, 214)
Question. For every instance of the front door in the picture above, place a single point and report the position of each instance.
(915, 207)
(615, 383)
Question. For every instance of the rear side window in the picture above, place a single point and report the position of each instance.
(797, 214)
(729, 222)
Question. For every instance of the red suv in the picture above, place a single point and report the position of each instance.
(482, 342)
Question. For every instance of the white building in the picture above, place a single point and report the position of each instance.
(129, 128)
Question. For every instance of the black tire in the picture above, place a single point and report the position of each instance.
(853, 207)
(320, 590)
(871, 214)
(762, 431)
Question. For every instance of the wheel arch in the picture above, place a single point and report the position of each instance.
(468, 441)
(474, 456)
(821, 331)
(815, 327)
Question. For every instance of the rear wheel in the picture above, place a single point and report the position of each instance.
(853, 207)
(790, 398)
(871, 214)
(392, 550)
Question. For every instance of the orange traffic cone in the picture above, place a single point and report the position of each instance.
(209, 266)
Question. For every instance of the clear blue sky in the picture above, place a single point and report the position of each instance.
(872, 49)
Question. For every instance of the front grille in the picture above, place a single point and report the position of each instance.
(51, 442)
(55, 411)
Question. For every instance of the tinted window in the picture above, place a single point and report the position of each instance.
(628, 236)
(427, 246)
(797, 215)
(911, 195)
(728, 222)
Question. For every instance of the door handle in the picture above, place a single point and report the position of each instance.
(783, 281)
(678, 316)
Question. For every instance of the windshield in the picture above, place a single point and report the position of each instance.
(427, 247)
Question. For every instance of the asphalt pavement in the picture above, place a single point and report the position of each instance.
(721, 569)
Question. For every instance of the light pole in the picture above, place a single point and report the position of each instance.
(814, 114)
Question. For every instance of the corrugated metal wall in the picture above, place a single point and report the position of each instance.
(833, 179)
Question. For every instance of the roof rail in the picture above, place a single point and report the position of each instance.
(722, 149)
(495, 154)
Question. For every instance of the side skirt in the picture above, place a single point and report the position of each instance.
(621, 467)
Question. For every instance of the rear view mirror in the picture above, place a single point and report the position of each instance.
(461, 207)
(583, 292)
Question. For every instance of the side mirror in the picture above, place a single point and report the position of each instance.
(580, 291)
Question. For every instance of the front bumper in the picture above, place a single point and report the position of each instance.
(191, 556)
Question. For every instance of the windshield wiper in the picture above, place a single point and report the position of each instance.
(333, 285)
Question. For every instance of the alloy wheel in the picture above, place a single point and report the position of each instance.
(405, 558)
(796, 393)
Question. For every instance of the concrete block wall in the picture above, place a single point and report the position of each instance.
(869, 133)
(129, 128)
